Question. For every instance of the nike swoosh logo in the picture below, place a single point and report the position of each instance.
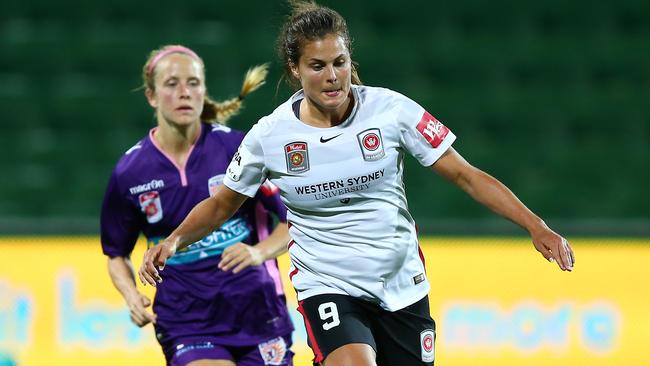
(323, 140)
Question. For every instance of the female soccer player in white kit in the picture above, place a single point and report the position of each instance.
(335, 150)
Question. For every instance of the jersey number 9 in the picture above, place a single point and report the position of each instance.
(330, 314)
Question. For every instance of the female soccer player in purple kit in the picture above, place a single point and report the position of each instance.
(222, 302)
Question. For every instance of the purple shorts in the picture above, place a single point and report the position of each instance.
(274, 351)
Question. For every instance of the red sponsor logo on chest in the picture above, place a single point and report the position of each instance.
(295, 146)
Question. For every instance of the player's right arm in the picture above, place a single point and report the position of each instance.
(204, 218)
(122, 275)
(120, 228)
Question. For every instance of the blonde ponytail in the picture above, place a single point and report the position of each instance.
(222, 111)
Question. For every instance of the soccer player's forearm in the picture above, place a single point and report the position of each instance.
(493, 194)
(202, 220)
(276, 243)
(122, 275)
(205, 217)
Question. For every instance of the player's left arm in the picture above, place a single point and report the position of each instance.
(493, 194)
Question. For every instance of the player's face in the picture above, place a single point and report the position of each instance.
(180, 90)
(324, 71)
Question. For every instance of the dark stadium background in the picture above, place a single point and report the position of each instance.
(551, 97)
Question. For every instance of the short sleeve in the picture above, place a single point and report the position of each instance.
(247, 171)
(421, 134)
(119, 222)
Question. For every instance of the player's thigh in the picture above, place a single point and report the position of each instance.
(405, 337)
(333, 321)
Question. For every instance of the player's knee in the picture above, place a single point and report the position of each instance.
(355, 354)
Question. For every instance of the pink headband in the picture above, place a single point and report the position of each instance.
(167, 51)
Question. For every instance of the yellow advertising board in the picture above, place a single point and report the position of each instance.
(495, 302)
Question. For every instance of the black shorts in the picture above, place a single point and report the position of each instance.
(404, 337)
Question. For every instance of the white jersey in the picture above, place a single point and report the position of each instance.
(349, 220)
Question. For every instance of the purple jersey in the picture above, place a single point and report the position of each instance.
(149, 193)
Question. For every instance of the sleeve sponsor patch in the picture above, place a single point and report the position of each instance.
(235, 168)
(432, 129)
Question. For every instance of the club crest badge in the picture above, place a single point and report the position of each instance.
(151, 206)
(427, 339)
(273, 351)
(297, 157)
(372, 146)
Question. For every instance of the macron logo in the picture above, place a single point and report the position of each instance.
(154, 184)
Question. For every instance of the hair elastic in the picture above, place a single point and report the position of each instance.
(167, 51)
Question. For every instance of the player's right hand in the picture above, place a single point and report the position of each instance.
(138, 305)
(154, 259)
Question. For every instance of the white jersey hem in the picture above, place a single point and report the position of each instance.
(398, 305)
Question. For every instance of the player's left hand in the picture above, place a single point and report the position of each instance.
(554, 248)
(240, 256)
